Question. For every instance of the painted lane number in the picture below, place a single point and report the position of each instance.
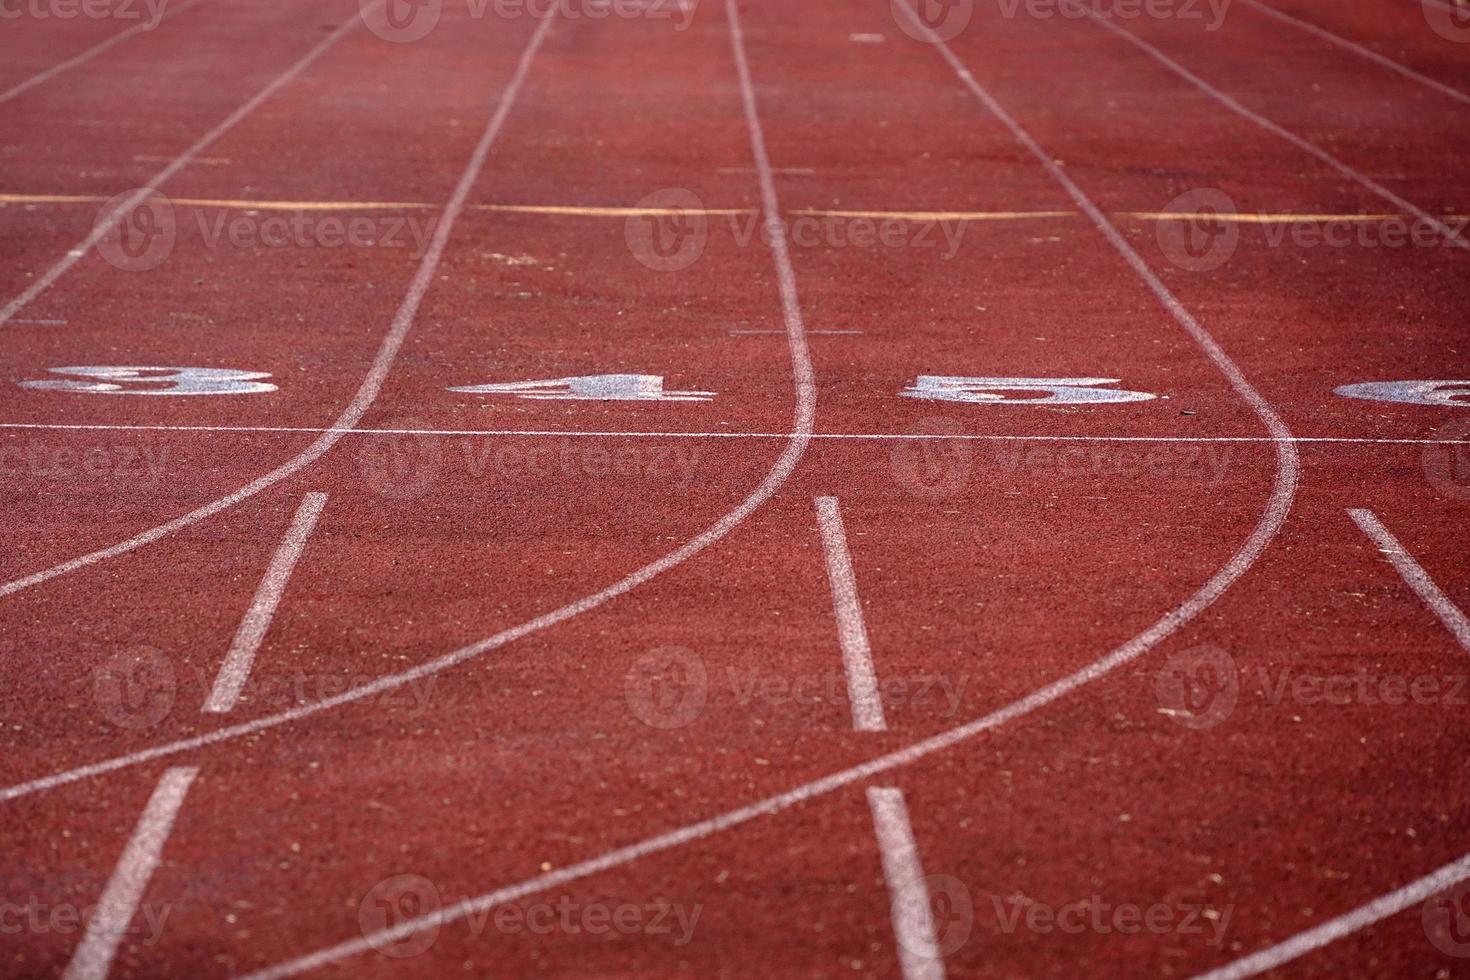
(1410, 392)
(1022, 391)
(593, 387)
(107, 380)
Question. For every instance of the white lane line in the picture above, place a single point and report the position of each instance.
(105, 223)
(109, 922)
(1450, 235)
(804, 416)
(236, 669)
(852, 634)
(1414, 575)
(1358, 49)
(919, 956)
(1334, 929)
(809, 333)
(372, 383)
(634, 434)
(1282, 493)
(92, 52)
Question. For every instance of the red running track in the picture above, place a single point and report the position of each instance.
(576, 687)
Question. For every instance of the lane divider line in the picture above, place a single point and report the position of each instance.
(92, 52)
(1229, 102)
(1344, 925)
(852, 633)
(919, 956)
(1358, 49)
(377, 373)
(235, 670)
(119, 903)
(106, 222)
(636, 434)
(1414, 575)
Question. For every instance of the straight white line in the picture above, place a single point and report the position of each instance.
(1414, 576)
(809, 333)
(1358, 49)
(1282, 493)
(611, 433)
(109, 922)
(919, 957)
(92, 52)
(1334, 929)
(106, 222)
(1450, 235)
(236, 669)
(372, 382)
(852, 634)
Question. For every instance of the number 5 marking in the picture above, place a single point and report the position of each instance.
(145, 381)
(1069, 391)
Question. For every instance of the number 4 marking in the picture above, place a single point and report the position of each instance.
(1070, 391)
(593, 387)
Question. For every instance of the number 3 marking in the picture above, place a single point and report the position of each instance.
(1411, 392)
(1069, 391)
(144, 381)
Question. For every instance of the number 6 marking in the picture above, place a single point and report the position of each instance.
(1068, 391)
(143, 381)
(1410, 392)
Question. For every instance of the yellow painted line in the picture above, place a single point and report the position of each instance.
(221, 203)
(939, 215)
(625, 212)
(597, 212)
(600, 212)
(1261, 218)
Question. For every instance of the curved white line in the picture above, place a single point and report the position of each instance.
(1450, 235)
(1332, 930)
(1282, 492)
(803, 422)
(377, 373)
(1358, 49)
